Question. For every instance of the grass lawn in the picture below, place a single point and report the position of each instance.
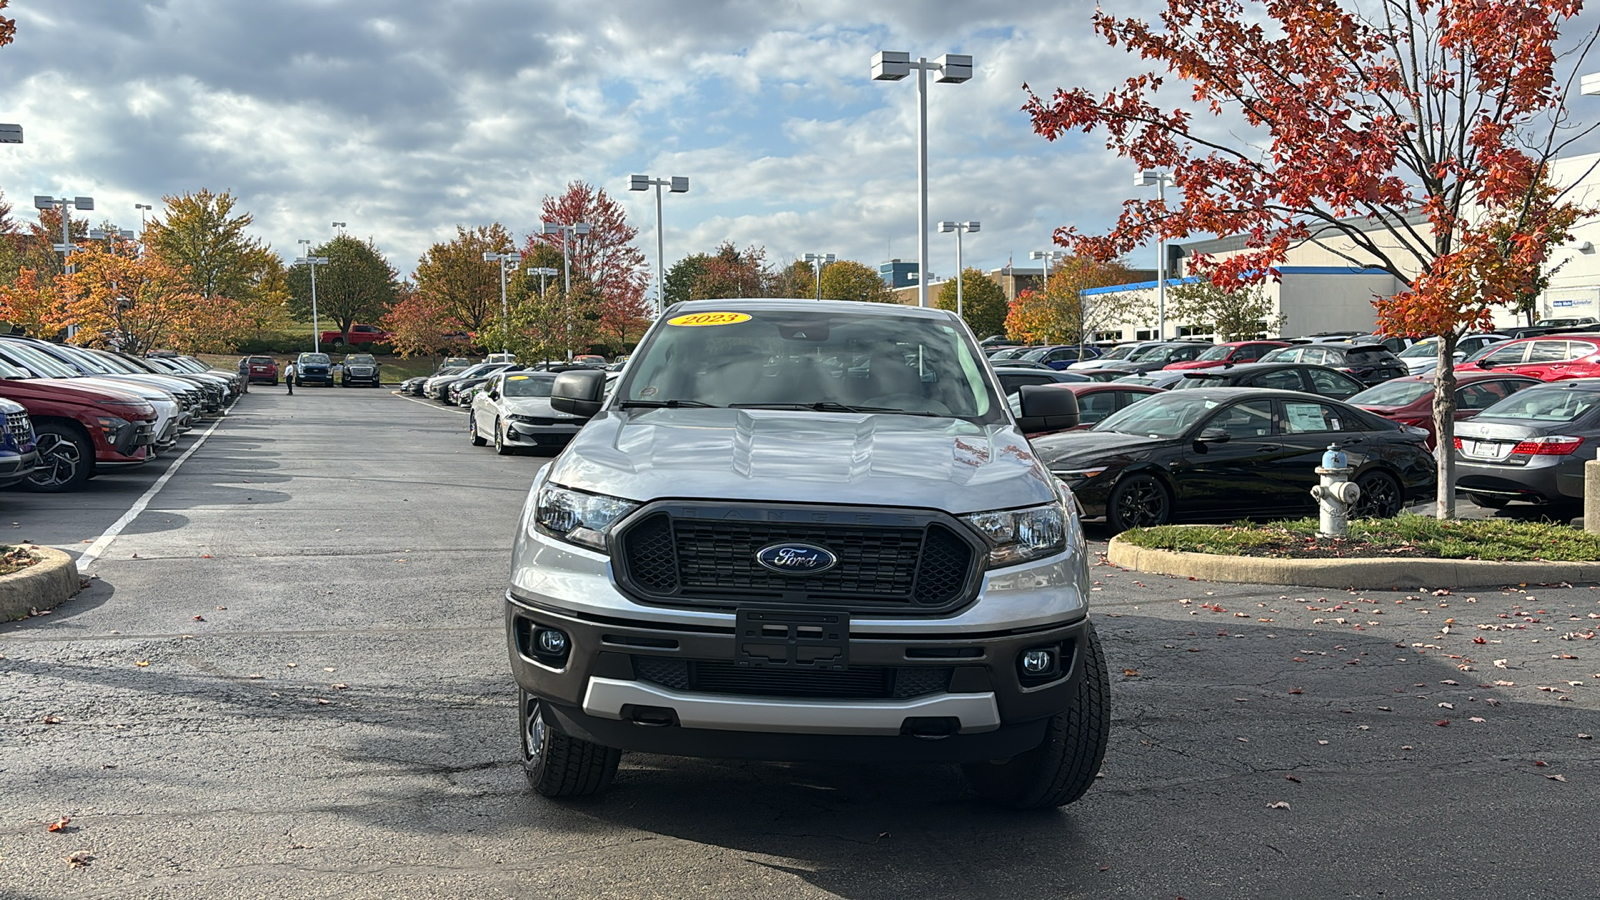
(1402, 536)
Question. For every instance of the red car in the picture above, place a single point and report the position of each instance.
(1547, 357)
(79, 432)
(1409, 400)
(1231, 352)
(1096, 399)
(359, 336)
(259, 369)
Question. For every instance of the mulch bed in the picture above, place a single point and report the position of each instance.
(15, 559)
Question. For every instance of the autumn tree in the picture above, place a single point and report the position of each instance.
(983, 304)
(455, 276)
(1307, 122)
(30, 300)
(136, 303)
(797, 279)
(1065, 312)
(728, 272)
(202, 236)
(850, 280)
(356, 285)
(1237, 315)
(606, 258)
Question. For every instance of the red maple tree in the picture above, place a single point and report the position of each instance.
(1416, 139)
(605, 257)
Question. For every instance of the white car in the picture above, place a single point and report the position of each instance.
(1423, 356)
(513, 410)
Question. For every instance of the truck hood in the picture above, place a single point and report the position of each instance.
(801, 457)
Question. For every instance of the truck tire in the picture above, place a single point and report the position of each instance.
(559, 765)
(66, 458)
(1061, 769)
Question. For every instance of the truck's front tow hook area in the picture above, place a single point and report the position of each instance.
(930, 728)
(650, 716)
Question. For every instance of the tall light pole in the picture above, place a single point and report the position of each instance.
(676, 185)
(959, 228)
(819, 260)
(65, 248)
(142, 208)
(1160, 179)
(313, 262)
(542, 271)
(567, 230)
(111, 236)
(510, 256)
(953, 68)
(340, 226)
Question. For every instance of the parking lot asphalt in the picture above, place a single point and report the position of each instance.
(288, 678)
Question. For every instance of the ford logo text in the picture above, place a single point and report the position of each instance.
(796, 559)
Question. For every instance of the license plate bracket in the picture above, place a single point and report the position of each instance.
(818, 640)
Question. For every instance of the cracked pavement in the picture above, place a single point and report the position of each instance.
(288, 678)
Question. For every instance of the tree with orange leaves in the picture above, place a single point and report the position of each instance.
(133, 303)
(1353, 125)
(30, 300)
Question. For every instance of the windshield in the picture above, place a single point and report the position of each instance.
(1120, 352)
(1421, 350)
(39, 362)
(1544, 404)
(529, 385)
(1220, 351)
(87, 360)
(827, 360)
(1034, 355)
(360, 359)
(1159, 415)
(7, 370)
(116, 362)
(1403, 392)
(1281, 354)
(314, 359)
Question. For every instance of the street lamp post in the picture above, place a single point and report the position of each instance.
(340, 226)
(1160, 179)
(953, 68)
(542, 271)
(111, 236)
(313, 262)
(511, 256)
(818, 260)
(676, 185)
(567, 230)
(959, 228)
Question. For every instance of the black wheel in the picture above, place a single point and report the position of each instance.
(472, 429)
(66, 458)
(1061, 769)
(500, 439)
(1138, 501)
(1488, 502)
(1381, 497)
(558, 765)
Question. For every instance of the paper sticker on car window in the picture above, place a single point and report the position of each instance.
(710, 318)
(516, 378)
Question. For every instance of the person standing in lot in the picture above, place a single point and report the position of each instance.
(288, 377)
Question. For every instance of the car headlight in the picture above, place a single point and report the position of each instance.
(576, 517)
(1019, 535)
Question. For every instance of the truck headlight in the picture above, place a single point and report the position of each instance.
(576, 517)
(1019, 535)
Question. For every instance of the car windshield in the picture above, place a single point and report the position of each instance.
(7, 370)
(1544, 404)
(1200, 380)
(88, 360)
(40, 362)
(1421, 350)
(360, 359)
(1281, 354)
(314, 359)
(1034, 355)
(1220, 351)
(1120, 352)
(830, 361)
(1159, 415)
(529, 385)
(1403, 392)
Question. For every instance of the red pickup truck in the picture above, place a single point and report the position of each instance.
(359, 335)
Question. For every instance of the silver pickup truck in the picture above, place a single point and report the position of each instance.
(803, 530)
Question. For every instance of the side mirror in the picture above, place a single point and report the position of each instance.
(1214, 436)
(1484, 363)
(1459, 356)
(1046, 408)
(579, 393)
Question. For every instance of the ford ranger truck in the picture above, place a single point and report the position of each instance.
(803, 530)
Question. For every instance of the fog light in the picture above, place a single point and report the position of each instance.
(1038, 662)
(551, 641)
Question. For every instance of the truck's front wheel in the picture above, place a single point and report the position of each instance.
(1061, 769)
(558, 765)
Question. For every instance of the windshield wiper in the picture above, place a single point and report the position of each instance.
(665, 404)
(831, 406)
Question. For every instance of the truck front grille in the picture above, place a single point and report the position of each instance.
(857, 682)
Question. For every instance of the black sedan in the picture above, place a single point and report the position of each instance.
(1319, 380)
(1220, 454)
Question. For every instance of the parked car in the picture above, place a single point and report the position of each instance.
(1547, 357)
(359, 336)
(1013, 378)
(80, 430)
(1117, 354)
(1368, 363)
(1531, 447)
(1409, 400)
(513, 410)
(1156, 355)
(450, 366)
(1566, 322)
(593, 360)
(1283, 376)
(190, 397)
(1160, 379)
(1016, 352)
(23, 354)
(1096, 401)
(1231, 352)
(1423, 356)
(259, 369)
(360, 368)
(19, 456)
(440, 389)
(1224, 453)
(236, 382)
(213, 390)
(1059, 356)
(313, 368)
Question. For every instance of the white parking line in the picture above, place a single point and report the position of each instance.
(91, 555)
(454, 409)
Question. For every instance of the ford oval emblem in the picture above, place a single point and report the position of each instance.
(796, 559)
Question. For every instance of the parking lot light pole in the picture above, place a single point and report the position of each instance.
(958, 228)
(313, 262)
(501, 258)
(953, 68)
(65, 248)
(818, 260)
(111, 236)
(567, 230)
(1160, 179)
(543, 271)
(676, 185)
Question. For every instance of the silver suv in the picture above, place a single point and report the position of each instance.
(802, 530)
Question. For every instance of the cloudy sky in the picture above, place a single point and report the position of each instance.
(405, 119)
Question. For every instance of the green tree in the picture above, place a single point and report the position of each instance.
(356, 284)
(983, 304)
(200, 235)
(797, 279)
(455, 276)
(681, 278)
(850, 280)
(1240, 314)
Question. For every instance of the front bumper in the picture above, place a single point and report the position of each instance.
(14, 467)
(556, 434)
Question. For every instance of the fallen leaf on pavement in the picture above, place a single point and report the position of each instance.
(58, 824)
(1561, 778)
(79, 859)
(1442, 723)
(1281, 804)
(142, 663)
(1291, 778)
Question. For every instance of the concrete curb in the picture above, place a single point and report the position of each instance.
(1361, 574)
(43, 585)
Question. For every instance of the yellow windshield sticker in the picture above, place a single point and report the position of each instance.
(516, 378)
(710, 318)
